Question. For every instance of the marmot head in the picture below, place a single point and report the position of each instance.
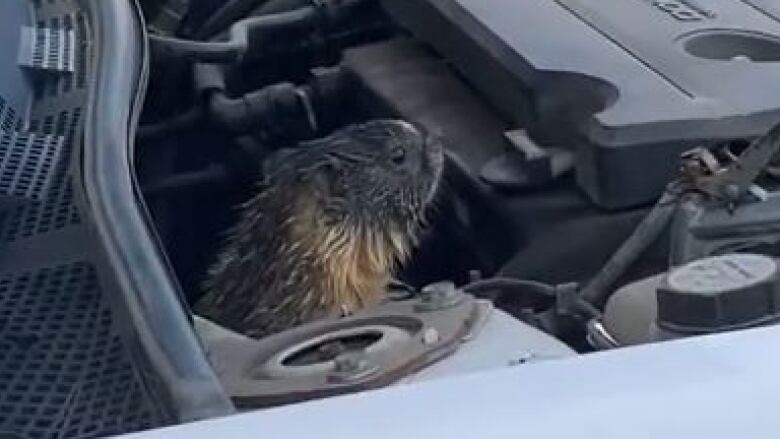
(379, 174)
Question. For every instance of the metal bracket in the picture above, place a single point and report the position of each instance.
(48, 49)
(527, 164)
(368, 350)
(732, 181)
(702, 227)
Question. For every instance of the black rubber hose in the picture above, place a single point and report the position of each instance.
(236, 9)
(277, 6)
(505, 284)
(241, 34)
(221, 19)
(276, 108)
(337, 10)
(537, 289)
(599, 289)
(209, 78)
(169, 16)
(233, 114)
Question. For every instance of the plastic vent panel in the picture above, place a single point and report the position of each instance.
(64, 371)
(47, 48)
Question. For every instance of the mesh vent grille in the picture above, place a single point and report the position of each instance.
(7, 116)
(27, 158)
(57, 209)
(26, 161)
(63, 369)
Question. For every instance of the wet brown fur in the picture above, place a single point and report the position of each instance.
(353, 264)
(289, 261)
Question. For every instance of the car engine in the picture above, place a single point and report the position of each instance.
(609, 176)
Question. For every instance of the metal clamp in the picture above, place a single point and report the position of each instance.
(527, 164)
(731, 181)
(703, 227)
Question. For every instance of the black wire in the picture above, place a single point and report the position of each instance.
(587, 309)
(598, 289)
(505, 284)
(573, 304)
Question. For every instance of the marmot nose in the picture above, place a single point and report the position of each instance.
(433, 148)
(433, 161)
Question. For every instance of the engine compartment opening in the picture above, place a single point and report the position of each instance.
(268, 138)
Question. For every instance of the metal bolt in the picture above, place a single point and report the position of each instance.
(331, 350)
(430, 336)
(732, 192)
(351, 366)
(349, 362)
(439, 296)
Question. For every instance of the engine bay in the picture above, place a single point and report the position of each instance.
(601, 186)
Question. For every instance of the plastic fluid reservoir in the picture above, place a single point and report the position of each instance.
(714, 294)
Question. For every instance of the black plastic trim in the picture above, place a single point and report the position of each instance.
(156, 321)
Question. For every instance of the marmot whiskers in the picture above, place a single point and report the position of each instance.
(323, 235)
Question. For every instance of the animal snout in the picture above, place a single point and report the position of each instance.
(433, 152)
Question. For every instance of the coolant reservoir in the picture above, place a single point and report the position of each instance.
(714, 294)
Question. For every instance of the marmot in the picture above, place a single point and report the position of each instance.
(328, 226)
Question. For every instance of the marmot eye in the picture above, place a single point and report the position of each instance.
(398, 155)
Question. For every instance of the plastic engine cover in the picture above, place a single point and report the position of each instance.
(631, 84)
